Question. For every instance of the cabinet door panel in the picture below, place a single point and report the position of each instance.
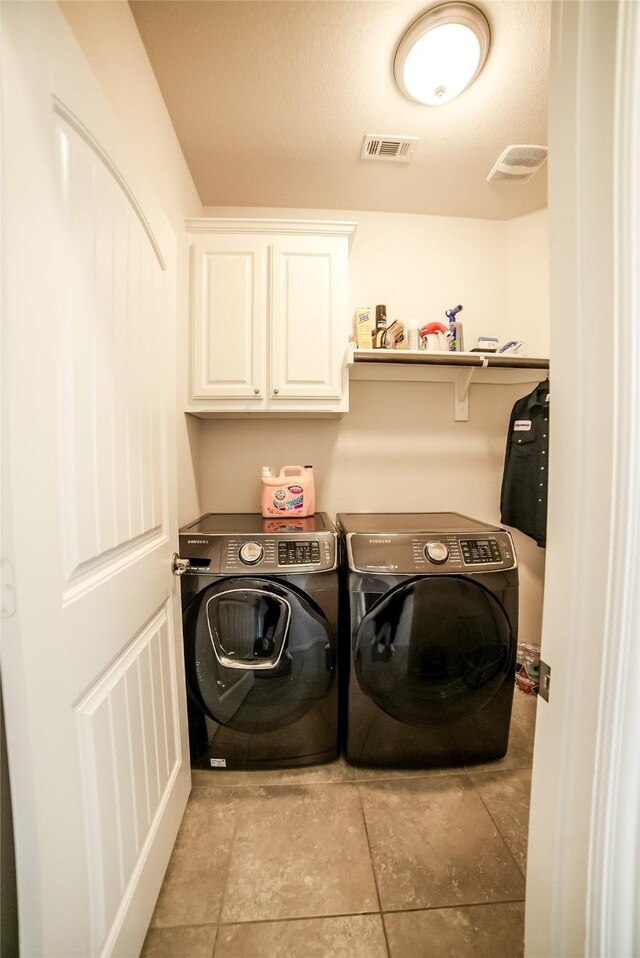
(308, 317)
(228, 318)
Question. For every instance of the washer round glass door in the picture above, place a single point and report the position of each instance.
(258, 654)
(434, 649)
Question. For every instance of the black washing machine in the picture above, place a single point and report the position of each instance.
(260, 610)
(429, 639)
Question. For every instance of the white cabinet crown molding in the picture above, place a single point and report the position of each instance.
(271, 226)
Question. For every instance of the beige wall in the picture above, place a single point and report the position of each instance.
(398, 448)
(527, 280)
(421, 265)
(109, 38)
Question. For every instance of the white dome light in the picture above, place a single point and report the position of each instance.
(441, 53)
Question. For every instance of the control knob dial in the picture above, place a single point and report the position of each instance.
(436, 552)
(250, 553)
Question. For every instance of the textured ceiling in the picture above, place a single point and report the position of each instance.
(271, 101)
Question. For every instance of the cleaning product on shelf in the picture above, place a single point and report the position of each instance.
(413, 338)
(291, 493)
(363, 327)
(397, 331)
(456, 344)
(514, 347)
(435, 336)
(486, 344)
(380, 333)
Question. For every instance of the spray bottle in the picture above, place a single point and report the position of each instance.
(455, 328)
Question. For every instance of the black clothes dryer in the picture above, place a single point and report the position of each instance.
(429, 635)
(260, 608)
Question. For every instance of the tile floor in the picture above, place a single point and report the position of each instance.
(338, 862)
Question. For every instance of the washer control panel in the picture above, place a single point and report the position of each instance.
(250, 553)
(292, 553)
(436, 551)
(409, 553)
(268, 554)
(298, 553)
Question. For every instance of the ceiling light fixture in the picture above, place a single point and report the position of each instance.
(442, 53)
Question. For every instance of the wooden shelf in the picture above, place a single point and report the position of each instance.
(407, 365)
(421, 357)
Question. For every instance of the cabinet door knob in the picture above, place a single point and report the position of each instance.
(275, 392)
(257, 392)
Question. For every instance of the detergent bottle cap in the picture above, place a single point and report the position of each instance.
(267, 470)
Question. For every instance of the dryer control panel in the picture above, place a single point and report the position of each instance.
(415, 553)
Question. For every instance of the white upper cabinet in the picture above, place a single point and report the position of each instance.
(269, 317)
(228, 331)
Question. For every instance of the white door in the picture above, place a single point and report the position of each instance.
(583, 879)
(91, 648)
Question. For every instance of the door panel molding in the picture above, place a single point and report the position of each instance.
(96, 571)
(111, 446)
(127, 777)
(67, 114)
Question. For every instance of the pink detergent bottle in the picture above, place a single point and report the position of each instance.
(289, 494)
(311, 489)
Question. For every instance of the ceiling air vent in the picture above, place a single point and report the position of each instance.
(396, 148)
(518, 163)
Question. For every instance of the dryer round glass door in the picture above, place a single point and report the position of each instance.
(434, 649)
(258, 654)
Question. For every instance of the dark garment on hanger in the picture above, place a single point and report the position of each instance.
(523, 498)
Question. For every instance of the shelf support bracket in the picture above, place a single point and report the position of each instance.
(461, 384)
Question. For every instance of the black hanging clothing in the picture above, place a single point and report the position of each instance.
(523, 497)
